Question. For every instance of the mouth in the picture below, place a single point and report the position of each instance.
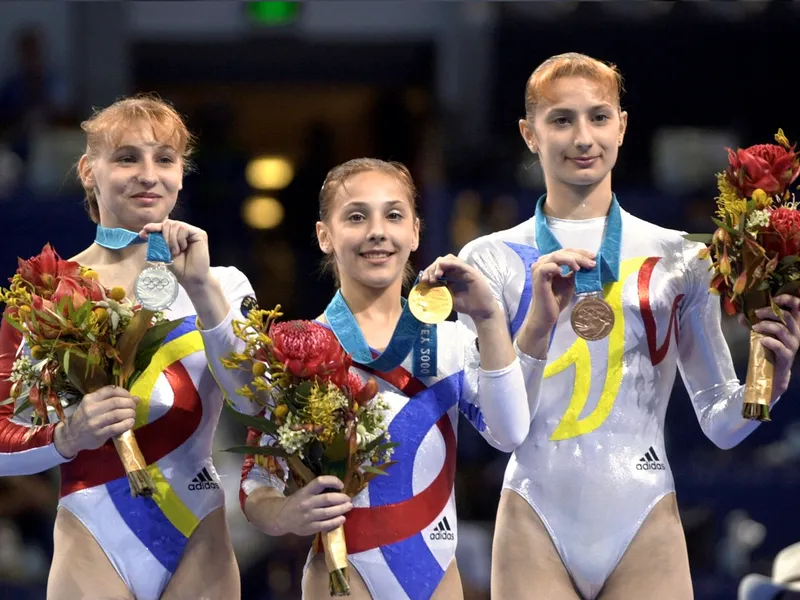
(585, 161)
(146, 198)
(377, 256)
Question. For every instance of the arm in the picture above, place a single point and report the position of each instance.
(23, 449)
(494, 401)
(704, 358)
(219, 340)
(481, 256)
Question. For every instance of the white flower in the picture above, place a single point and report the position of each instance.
(757, 219)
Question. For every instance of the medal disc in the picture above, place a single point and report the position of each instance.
(156, 288)
(592, 318)
(430, 304)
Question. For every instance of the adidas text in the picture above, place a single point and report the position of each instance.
(650, 466)
(203, 481)
(442, 531)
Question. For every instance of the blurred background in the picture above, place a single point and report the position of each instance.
(280, 92)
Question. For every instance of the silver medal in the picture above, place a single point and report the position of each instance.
(156, 288)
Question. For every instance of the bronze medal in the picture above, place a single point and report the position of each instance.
(592, 318)
(430, 304)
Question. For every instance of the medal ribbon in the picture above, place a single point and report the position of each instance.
(409, 334)
(117, 238)
(606, 270)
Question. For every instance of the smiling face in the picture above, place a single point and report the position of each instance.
(576, 131)
(136, 153)
(136, 181)
(370, 228)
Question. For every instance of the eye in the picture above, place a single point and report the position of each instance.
(395, 215)
(126, 159)
(356, 218)
(602, 118)
(167, 160)
(561, 121)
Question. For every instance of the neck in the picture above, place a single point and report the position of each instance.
(133, 257)
(373, 308)
(574, 202)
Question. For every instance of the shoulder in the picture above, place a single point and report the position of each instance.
(498, 240)
(233, 281)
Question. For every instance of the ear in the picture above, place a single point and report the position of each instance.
(526, 131)
(85, 172)
(324, 238)
(623, 126)
(415, 239)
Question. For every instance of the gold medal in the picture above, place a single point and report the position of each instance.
(430, 303)
(592, 318)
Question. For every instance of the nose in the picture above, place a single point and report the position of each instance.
(583, 135)
(147, 173)
(377, 230)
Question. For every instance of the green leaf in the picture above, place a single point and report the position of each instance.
(338, 449)
(7, 401)
(13, 322)
(787, 261)
(261, 424)
(373, 470)
(150, 344)
(725, 226)
(128, 344)
(21, 408)
(704, 238)
(259, 450)
(66, 361)
(387, 446)
(374, 443)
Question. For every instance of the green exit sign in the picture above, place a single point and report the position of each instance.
(273, 13)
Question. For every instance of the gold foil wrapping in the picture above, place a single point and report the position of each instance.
(134, 464)
(335, 547)
(758, 386)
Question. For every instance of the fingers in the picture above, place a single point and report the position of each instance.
(779, 333)
(329, 525)
(115, 429)
(109, 391)
(442, 265)
(322, 483)
(111, 417)
(177, 234)
(549, 271)
(574, 259)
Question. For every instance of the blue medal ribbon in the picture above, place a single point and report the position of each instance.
(587, 281)
(409, 334)
(117, 238)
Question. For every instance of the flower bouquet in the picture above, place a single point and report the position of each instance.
(80, 337)
(320, 417)
(755, 249)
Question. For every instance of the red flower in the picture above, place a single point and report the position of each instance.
(44, 271)
(769, 167)
(309, 350)
(782, 236)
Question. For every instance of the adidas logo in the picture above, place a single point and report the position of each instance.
(442, 531)
(650, 462)
(203, 481)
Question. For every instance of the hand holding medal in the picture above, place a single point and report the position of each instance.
(553, 285)
(451, 284)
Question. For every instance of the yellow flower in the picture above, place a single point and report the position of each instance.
(761, 199)
(781, 138)
(321, 410)
(117, 293)
(729, 202)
